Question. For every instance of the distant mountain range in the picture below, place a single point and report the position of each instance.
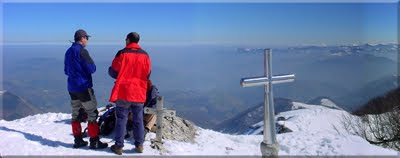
(382, 48)
(203, 83)
(349, 74)
(355, 99)
(205, 109)
(15, 107)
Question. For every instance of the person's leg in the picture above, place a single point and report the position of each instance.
(138, 127)
(149, 121)
(122, 110)
(129, 126)
(89, 103)
(76, 125)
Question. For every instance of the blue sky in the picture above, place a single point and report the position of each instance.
(210, 23)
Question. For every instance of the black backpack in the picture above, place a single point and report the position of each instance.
(107, 121)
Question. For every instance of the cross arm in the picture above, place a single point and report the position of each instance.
(263, 80)
(153, 111)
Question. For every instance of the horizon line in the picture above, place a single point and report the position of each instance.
(201, 1)
(183, 44)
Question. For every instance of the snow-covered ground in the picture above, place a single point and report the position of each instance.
(317, 130)
(313, 134)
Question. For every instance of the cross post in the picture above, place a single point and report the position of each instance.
(269, 146)
(160, 112)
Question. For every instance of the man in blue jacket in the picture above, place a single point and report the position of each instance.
(79, 67)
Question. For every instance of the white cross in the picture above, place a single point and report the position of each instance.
(160, 112)
(269, 146)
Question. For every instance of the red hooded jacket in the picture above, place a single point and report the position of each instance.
(131, 67)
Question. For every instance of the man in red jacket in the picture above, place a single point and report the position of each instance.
(131, 68)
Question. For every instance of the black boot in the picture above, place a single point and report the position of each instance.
(95, 143)
(79, 142)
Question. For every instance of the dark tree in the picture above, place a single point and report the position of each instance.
(378, 120)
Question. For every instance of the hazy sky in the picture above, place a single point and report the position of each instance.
(209, 23)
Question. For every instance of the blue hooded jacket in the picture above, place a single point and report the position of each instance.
(78, 66)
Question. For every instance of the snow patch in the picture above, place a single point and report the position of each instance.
(329, 103)
(2, 92)
(337, 54)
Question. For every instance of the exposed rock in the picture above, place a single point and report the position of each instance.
(176, 128)
(282, 129)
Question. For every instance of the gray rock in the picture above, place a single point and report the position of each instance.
(179, 129)
(282, 129)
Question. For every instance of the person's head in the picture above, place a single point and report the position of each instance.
(132, 37)
(81, 36)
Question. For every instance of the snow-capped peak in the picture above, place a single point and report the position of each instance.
(329, 103)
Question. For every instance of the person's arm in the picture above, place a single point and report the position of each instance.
(65, 66)
(151, 97)
(154, 95)
(66, 62)
(113, 70)
(88, 63)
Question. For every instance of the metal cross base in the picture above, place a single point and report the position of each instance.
(269, 146)
(157, 145)
(269, 150)
(160, 112)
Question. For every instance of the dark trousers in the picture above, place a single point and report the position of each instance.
(122, 110)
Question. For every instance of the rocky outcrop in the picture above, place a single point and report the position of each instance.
(176, 128)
